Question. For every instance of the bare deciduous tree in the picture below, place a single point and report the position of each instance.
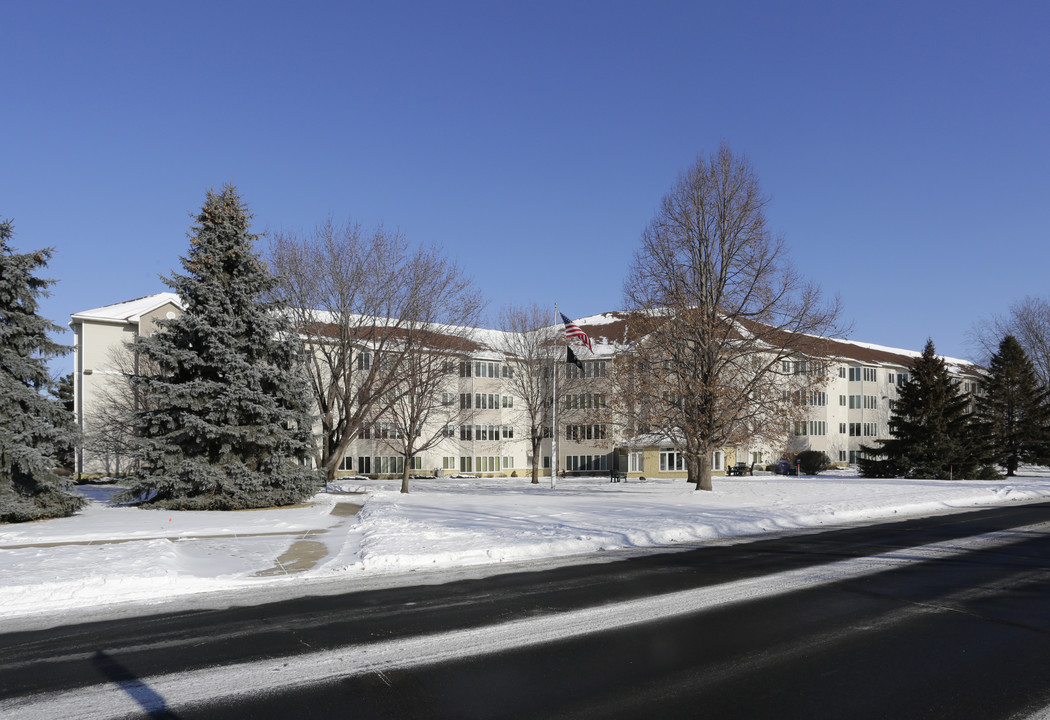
(369, 309)
(530, 346)
(110, 431)
(732, 335)
(535, 351)
(422, 403)
(1028, 320)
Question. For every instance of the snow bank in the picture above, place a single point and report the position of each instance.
(107, 555)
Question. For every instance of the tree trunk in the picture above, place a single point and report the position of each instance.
(699, 468)
(404, 475)
(536, 460)
(704, 476)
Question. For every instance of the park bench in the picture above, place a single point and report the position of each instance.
(617, 476)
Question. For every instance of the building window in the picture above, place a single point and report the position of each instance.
(800, 427)
(364, 465)
(671, 461)
(717, 460)
(364, 361)
(389, 465)
(870, 429)
(486, 369)
(466, 464)
(347, 463)
(464, 368)
(486, 401)
(447, 399)
(854, 429)
(508, 462)
(464, 401)
(508, 371)
(818, 427)
(842, 456)
(842, 372)
(448, 463)
(508, 401)
(756, 458)
(869, 375)
(586, 463)
(842, 428)
(636, 461)
(842, 400)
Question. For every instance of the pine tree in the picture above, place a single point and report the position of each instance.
(932, 432)
(1014, 409)
(34, 427)
(228, 425)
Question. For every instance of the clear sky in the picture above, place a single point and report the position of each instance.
(905, 145)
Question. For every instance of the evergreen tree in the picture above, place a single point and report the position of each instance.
(932, 432)
(228, 425)
(34, 427)
(1014, 409)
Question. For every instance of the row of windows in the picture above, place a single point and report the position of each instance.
(584, 463)
(820, 427)
(584, 432)
(591, 369)
(586, 401)
(813, 427)
(674, 460)
(868, 429)
(860, 402)
(868, 374)
(802, 367)
(488, 463)
(818, 398)
(381, 465)
(482, 369)
(481, 432)
(481, 401)
(381, 431)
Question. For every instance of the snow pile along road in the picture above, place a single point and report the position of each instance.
(107, 555)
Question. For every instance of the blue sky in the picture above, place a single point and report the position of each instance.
(905, 145)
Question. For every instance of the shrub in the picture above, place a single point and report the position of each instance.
(812, 462)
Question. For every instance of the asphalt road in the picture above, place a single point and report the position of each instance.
(945, 617)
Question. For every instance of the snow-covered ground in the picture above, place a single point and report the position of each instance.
(109, 555)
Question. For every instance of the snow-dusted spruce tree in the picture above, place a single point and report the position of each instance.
(34, 426)
(1014, 408)
(933, 434)
(228, 423)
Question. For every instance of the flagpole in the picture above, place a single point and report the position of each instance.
(554, 412)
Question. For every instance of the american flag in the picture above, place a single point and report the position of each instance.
(572, 330)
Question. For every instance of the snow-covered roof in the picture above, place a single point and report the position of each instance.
(130, 311)
(609, 333)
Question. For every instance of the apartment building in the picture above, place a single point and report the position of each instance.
(490, 434)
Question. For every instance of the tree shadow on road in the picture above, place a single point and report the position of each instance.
(151, 701)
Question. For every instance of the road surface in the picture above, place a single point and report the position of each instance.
(944, 617)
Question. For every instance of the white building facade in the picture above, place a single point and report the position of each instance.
(490, 437)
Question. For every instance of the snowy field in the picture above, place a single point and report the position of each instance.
(107, 555)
